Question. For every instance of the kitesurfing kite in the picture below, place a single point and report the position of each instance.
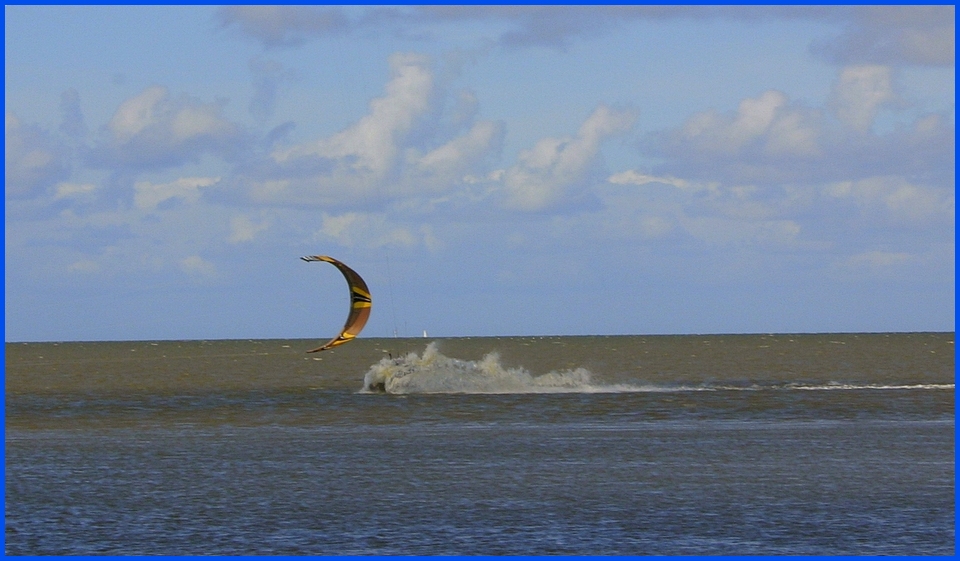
(360, 303)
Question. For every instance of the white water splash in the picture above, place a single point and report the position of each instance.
(435, 373)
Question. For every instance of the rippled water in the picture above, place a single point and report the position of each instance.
(753, 444)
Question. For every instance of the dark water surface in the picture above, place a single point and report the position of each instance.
(748, 444)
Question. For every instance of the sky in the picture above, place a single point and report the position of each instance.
(489, 170)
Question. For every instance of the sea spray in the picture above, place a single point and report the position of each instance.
(434, 372)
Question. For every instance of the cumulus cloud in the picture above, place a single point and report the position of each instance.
(34, 159)
(765, 125)
(860, 92)
(771, 139)
(556, 168)
(763, 140)
(370, 146)
(357, 161)
(154, 130)
(399, 148)
(775, 173)
(447, 164)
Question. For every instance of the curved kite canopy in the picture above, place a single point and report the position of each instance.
(360, 303)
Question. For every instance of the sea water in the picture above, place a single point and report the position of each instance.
(719, 444)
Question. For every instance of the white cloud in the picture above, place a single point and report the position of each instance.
(447, 164)
(148, 195)
(400, 148)
(153, 130)
(359, 161)
(794, 133)
(136, 113)
(766, 124)
(771, 140)
(242, 229)
(369, 147)
(860, 92)
(555, 167)
(753, 118)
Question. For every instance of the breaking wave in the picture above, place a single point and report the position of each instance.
(432, 372)
(435, 373)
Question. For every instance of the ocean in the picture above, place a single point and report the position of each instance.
(806, 444)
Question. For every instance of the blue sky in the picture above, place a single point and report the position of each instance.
(488, 170)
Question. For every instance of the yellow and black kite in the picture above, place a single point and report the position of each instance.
(360, 303)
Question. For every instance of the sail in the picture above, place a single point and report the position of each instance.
(360, 303)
